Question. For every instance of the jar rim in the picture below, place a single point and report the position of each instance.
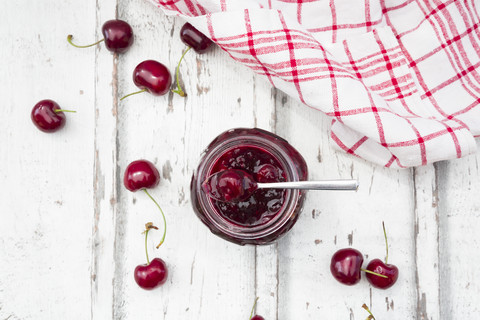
(210, 157)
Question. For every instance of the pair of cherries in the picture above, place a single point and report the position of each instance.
(142, 175)
(346, 267)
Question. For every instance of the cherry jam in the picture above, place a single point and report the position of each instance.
(266, 214)
(263, 204)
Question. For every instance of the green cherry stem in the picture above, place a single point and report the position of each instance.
(146, 250)
(374, 273)
(386, 241)
(179, 90)
(70, 37)
(131, 94)
(63, 110)
(368, 310)
(253, 308)
(163, 216)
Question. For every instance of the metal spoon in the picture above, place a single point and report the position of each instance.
(236, 185)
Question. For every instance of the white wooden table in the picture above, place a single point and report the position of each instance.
(70, 233)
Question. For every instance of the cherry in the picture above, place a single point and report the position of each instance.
(117, 34)
(195, 40)
(268, 173)
(151, 76)
(256, 317)
(388, 270)
(48, 116)
(142, 175)
(153, 274)
(346, 266)
(230, 185)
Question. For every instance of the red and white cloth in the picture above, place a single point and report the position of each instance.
(400, 78)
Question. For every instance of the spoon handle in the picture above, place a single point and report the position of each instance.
(312, 185)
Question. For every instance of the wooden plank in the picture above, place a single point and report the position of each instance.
(459, 222)
(334, 220)
(47, 185)
(426, 243)
(106, 174)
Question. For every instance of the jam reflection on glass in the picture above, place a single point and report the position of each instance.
(245, 214)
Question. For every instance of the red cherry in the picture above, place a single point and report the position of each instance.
(257, 318)
(152, 275)
(141, 174)
(195, 39)
(48, 116)
(230, 185)
(151, 76)
(268, 173)
(118, 36)
(346, 265)
(389, 270)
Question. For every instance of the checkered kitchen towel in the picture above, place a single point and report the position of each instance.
(400, 78)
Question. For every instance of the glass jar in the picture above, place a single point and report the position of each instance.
(267, 214)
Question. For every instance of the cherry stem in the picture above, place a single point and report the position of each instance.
(368, 310)
(63, 110)
(179, 90)
(253, 308)
(70, 37)
(163, 216)
(146, 250)
(374, 273)
(386, 242)
(131, 94)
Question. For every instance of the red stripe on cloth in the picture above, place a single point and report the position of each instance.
(223, 5)
(334, 21)
(465, 15)
(368, 19)
(191, 7)
(344, 26)
(293, 62)
(458, 76)
(251, 45)
(470, 107)
(385, 9)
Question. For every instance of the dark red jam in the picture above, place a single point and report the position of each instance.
(265, 214)
(263, 204)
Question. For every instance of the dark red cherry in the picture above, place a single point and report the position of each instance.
(141, 174)
(389, 270)
(46, 118)
(194, 38)
(268, 173)
(152, 76)
(152, 275)
(118, 35)
(230, 185)
(257, 318)
(346, 266)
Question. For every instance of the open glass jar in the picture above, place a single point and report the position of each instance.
(267, 214)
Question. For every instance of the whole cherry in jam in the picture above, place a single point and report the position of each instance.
(195, 40)
(47, 116)
(151, 76)
(230, 185)
(258, 206)
(117, 34)
(142, 175)
(383, 268)
(346, 266)
(154, 273)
